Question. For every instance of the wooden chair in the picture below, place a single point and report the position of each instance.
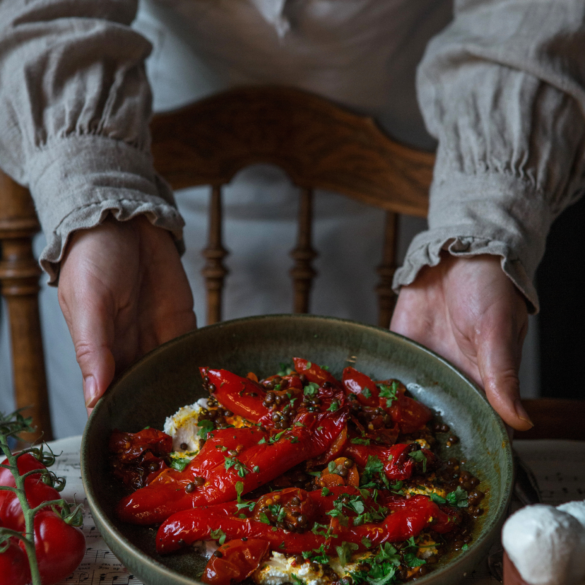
(318, 144)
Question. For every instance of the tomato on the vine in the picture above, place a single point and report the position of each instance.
(59, 546)
(13, 563)
(37, 492)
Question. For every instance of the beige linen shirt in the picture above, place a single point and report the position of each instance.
(501, 88)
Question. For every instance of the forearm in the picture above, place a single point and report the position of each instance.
(502, 89)
(74, 114)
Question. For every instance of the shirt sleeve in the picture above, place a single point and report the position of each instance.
(74, 111)
(502, 88)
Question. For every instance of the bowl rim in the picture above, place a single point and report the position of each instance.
(109, 531)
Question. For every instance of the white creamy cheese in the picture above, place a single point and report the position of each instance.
(182, 427)
(547, 545)
(280, 568)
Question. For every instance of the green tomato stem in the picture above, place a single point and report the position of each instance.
(28, 539)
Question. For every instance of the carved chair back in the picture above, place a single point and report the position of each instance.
(318, 144)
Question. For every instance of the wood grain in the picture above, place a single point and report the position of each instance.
(19, 285)
(318, 144)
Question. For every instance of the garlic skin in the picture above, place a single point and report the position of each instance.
(547, 544)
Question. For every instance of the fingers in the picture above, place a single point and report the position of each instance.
(498, 360)
(92, 334)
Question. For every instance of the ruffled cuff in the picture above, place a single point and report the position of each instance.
(489, 213)
(78, 181)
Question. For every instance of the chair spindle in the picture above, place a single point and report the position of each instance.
(214, 270)
(303, 272)
(19, 284)
(386, 270)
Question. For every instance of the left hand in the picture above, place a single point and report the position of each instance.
(470, 312)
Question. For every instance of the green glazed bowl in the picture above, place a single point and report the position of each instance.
(168, 378)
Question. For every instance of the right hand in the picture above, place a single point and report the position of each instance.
(123, 292)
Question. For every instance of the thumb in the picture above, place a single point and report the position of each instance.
(92, 332)
(498, 360)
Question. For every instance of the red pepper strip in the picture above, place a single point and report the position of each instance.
(156, 502)
(242, 396)
(335, 451)
(361, 386)
(189, 526)
(395, 467)
(295, 446)
(218, 443)
(236, 561)
(410, 414)
(314, 373)
(415, 515)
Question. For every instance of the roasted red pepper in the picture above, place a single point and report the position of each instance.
(315, 373)
(234, 561)
(139, 457)
(405, 518)
(396, 466)
(242, 396)
(362, 386)
(189, 526)
(311, 435)
(410, 415)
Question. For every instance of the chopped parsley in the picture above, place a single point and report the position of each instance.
(334, 406)
(345, 551)
(239, 467)
(326, 492)
(205, 427)
(179, 463)
(297, 580)
(389, 392)
(438, 499)
(311, 389)
(419, 457)
(374, 470)
(318, 555)
(413, 561)
(458, 498)
(382, 569)
(367, 392)
(358, 441)
(218, 535)
(264, 518)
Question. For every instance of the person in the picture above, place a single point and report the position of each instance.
(500, 88)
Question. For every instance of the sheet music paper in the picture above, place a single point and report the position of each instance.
(559, 467)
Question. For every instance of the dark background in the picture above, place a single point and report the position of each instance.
(561, 286)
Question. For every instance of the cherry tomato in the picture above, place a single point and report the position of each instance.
(36, 492)
(14, 565)
(234, 561)
(59, 546)
(25, 463)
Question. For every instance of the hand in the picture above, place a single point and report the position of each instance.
(123, 292)
(468, 310)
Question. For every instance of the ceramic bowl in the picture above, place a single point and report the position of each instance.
(168, 378)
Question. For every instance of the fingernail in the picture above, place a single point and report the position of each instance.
(521, 413)
(90, 392)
